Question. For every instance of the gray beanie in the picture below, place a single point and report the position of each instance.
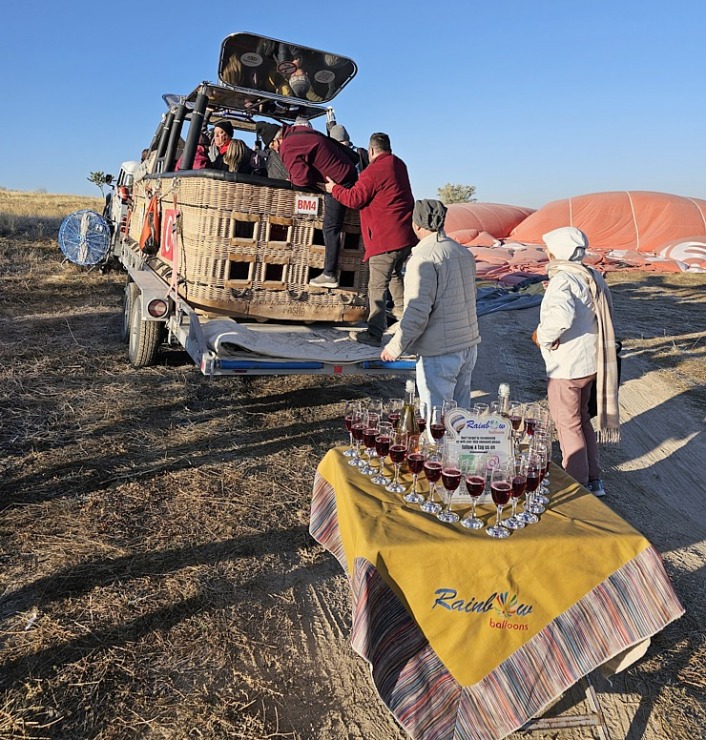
(339, 133)
(429, 214)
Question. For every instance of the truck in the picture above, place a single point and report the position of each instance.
(220, 262)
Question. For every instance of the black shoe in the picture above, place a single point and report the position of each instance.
(365, 337)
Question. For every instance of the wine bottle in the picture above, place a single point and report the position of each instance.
(408, 418)
(504, 400)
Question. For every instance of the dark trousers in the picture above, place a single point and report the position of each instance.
(385, 272)
(334, 211)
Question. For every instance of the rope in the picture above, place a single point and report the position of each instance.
(634, 221)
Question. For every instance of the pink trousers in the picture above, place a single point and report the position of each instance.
(568, 404)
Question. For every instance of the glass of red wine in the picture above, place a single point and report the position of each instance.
(358, 422)
(421, 413)
(530, 468)
(395, 411)
(531, 418)
(382, 449)
(436, 425)
(416, 456)
(542, 450)
(519, 484)
(517, 423)
(451, 478)
(500, 490)
(351, 406)
(398, 452)
(474, 472)
(370, 431)
(432, 471)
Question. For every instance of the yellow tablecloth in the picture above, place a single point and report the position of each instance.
(580, 586)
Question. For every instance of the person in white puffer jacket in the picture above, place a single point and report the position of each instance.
(439, 323)
(568, 336)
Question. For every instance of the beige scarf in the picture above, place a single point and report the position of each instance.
(608, 418)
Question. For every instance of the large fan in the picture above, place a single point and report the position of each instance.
(84, 237)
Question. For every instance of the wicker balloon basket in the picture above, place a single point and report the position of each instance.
(243, 250)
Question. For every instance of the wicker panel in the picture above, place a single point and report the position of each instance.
(228, 261)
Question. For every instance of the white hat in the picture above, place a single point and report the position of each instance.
(566, 243)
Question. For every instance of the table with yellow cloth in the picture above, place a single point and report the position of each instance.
(471, 637)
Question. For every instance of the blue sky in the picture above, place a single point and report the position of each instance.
(528, 101)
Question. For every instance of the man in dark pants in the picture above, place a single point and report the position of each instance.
(384, 197)
(310, 158)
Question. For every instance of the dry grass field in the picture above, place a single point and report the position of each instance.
(157, 579)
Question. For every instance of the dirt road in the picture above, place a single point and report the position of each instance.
(157, 578)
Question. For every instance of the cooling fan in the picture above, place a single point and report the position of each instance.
(84, 238)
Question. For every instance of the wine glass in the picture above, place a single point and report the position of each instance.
(382, 449)
(375, 406)
(436, 425)
(358, 421)
(351, 406)
(395, 411)
(544, 437)
(416, 455)
(519, 484)
(517, 422)
(480, 408)
(531, 417)
(432, 471)
(530, 468)
(398, 450)
(475, 485)
(369, 433)
(421, 412)
(495, 408)
(542, 451)
(500, 490)
(448, 405)
(451, 478)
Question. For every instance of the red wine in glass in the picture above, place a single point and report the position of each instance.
(500, 491)
(415, 462)
(451, 478)
(394, 418)
(516, 421)
(369, 435)
(530, 424)
(519, 484)
(475, 484)
(397, 453)
(348, 421)
(532, 480)
(422, 424)
(432, 470)
(382, 445)
(357, 432)
(437, 431)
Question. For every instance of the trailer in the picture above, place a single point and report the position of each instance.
(219, 262)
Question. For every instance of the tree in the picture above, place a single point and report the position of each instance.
(99, 179)
(457, 193)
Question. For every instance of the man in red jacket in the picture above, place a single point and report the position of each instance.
(310, 157)
(384, 197)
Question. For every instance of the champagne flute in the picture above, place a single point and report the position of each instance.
(451, 478)
(398, 450)
(416, 455)
(420, 410)
(432, 471)
(531, 417)
(351, 406)
(475, 485)
(382, 449)
(530, 465)
(436, 425)
(519, 484)
(500, 490)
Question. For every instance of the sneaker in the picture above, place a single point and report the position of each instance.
(364, 337)
(596, 488)
(324, 281)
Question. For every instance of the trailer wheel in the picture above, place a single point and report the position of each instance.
(131, 290)
(145, 336)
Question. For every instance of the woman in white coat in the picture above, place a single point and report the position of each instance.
(575, 335)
